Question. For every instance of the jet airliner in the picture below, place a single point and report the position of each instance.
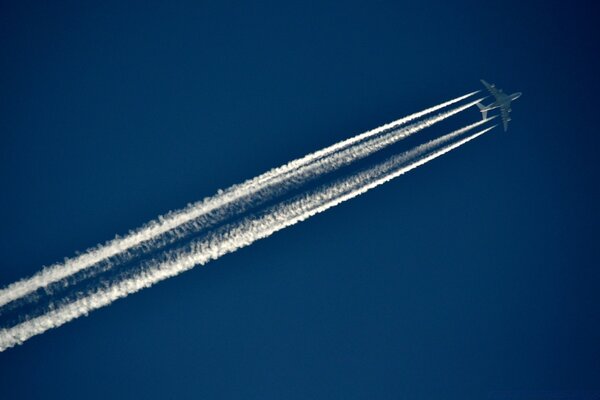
(502, 101)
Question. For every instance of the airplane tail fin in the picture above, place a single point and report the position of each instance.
(483, 110)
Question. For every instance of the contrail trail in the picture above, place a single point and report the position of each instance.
(274, 187)
(327, 164)
(176, 219)
(293, 179)
(239, 235)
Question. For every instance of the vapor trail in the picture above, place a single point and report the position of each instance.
(239, 235)
(292, 179)
(172, 220)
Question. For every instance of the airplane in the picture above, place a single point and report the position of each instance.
(502, 101)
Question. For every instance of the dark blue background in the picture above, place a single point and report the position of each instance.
(474, 274)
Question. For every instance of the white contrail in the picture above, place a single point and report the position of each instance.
(175, 219)
(239, 235)
(270, 189)
(294, 178)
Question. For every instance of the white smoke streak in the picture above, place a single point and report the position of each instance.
(176, 219)
(239, 235)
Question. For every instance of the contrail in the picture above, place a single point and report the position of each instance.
(270, 189)
(239, 235)
(176, 219)
(293, 179)
(325, 165)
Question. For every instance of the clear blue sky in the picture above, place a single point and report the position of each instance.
(473, 275)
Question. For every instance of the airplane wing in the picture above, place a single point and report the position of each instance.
(505, 113)
(491, 88)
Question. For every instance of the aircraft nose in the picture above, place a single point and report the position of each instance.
(517, 95)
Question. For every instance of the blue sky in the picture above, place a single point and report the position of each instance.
(473, 275)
